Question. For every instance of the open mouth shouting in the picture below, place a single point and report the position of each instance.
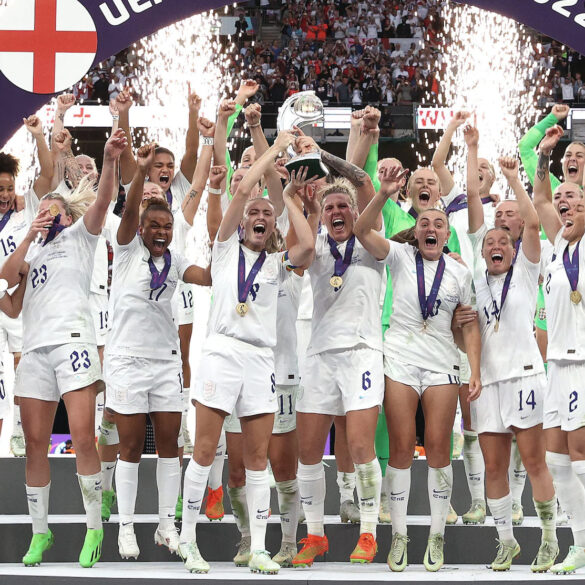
(497, 258)
(424, 196)
(164, 180)
(572, 172)
(338, 225)
(431, 242)
(5, 205)
(563, 208)
(259, 228)
(159, 244)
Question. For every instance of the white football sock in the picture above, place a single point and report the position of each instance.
(126, 488)
(547, 512)
(258, 496)
(108, 469)
(398, 481)
(311, 480)
(288, 505)
(239, 505)
(570, 492)
(38, 507)
(501, 509)
(91, 491)
(440, 486)
(168, 481)
(193, 490)
(369, 485)
(516, 474)
(216, 472)
(474, 466)
(346, 483)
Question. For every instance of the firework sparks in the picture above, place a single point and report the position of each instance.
(489, 67)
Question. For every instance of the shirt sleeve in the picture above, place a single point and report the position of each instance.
(221, 249)
(395, 251)
(183, 186)
(371, 166)
(228, 161)
(181, 263)
(528, 144)
(465, 290)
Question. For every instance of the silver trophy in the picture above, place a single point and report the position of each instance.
(302, 109)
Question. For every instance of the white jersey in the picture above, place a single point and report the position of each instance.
(286, 363)
(434, 348)
(565, 320)
(460, 221)
(512, 351)
(180, 186)
(17, 226)
(349, 316)
(141, 318)
(99, 277)
(306, 301)
(55, 307)
(258, 326)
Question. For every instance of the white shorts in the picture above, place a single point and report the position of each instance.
(98, 305)
(341, 381)
(517, 402)
(141, 385)
(183, 304)
(566, 390)
(11, 333)
(285, 419)
(235, 377)
(4, 399)
(419, 379)
(46, 373)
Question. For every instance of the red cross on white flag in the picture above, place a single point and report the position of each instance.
(46, 46)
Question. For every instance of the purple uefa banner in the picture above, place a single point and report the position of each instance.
(118, 24)
(563, 20)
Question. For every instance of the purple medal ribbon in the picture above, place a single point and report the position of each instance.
(245, 284)
(159, 278)
(412, 211)
(169, 198)
(5, 219)
(54, 230)
(517, 245)
(505, 290)
(427, 303)
(459, 203)
(572, 266)
(341, 264)
(486, 199)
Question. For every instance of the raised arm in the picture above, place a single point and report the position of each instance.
(64, 102)
(302, 252)
(130, 219)
(42, 185)
(530, 140)
(127, 160)
(365, 228)
(369, 134)
(354, 132)
(549, 218)
(475, 216)
(191, 202)
(439, 162)
(235, 211)
(531, 231)
(96, 214)
(253, 115)
(217, 176)
(189, 161)
(62, 143)
(226, 109)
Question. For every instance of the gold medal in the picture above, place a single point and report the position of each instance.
(241, 309)
(336, 281)
(54, 210)
(497, 326)
(576, 297)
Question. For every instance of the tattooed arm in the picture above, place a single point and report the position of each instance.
(357, 177)
(547, 214)
(193, 198)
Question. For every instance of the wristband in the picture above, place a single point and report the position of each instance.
(207, 140)
(115, 117)
(214, 191)
(253, 125)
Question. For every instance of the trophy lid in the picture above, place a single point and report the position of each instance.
(300, 109)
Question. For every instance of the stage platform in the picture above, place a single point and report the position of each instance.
(224, 573)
